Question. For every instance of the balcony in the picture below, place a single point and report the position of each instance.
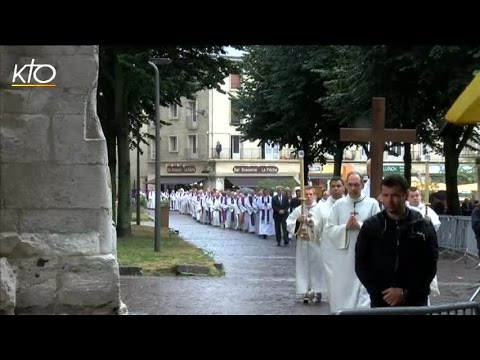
(469, 153)
(250, 154)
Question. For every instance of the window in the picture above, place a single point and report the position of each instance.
(235, 146)
(234, 118)
(172, 144)
(192, 111)
(234, 81)
(192, 114)
(192, 145)
(173, 111)
(152, 149)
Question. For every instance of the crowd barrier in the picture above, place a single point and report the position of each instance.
(461, 308)
(456, 234)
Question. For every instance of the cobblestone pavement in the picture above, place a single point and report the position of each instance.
(259, 279)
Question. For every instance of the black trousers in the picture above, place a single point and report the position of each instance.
(281, 225)
(478, 246)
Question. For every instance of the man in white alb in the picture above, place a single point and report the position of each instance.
(322, 212)
(348, 214)
(308, 263)
(414, 201)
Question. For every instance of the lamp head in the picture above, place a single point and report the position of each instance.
(161, 61)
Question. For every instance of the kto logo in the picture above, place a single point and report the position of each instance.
(39, 80)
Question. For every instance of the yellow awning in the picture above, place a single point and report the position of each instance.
(466, 109)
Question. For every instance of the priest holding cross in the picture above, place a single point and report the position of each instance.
(377, 136)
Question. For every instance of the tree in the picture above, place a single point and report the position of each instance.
(420, 83)
(279, 100)
(448, 70)
(126, 90)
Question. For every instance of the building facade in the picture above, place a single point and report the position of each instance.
(202, 147)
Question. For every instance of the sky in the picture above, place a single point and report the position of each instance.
(233, 52)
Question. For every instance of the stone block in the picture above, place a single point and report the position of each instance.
(8, 242)
(71, 221)
(24, 138)
(9, 221)
(55, 186)
(47, 101)
(70, 148)
(36, 284)
(7, 288)
(192, 270)
(90, 281)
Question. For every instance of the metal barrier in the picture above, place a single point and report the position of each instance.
(462, 308)
(475, 294)
(456, 234)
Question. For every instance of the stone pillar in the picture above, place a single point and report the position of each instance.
(55, 223)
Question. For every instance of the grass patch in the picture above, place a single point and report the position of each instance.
(138, 251)
(143, 216)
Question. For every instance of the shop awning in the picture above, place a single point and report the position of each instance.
(252, 181)
(174, 180)
(466, 109)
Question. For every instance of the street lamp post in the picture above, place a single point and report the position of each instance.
(154, 62)
(426, 200)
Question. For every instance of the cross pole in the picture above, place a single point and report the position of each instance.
(377, 136)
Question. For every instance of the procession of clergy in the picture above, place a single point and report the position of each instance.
(325, 263)
(243, 210)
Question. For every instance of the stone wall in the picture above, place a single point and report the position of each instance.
(56, 231)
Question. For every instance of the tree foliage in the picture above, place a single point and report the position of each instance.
(126, 100)
(279, 99)
(420, 83)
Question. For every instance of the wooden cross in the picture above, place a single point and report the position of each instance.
(377, 136)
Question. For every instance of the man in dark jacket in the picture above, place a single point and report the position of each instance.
(476, 229)
(280, 204)
(396, 251)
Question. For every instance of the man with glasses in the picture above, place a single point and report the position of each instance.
(348, 214)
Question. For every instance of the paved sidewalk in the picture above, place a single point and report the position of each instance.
(260, 279)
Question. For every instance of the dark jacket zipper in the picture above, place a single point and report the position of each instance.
(397, 252)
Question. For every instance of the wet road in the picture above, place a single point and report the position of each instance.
(259, 279)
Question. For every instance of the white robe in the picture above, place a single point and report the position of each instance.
(346, 291)
(265, 210)
(423, 209)
(366, 188)
(215, 209)
(430, 213)
(308, 260)
(322, 212)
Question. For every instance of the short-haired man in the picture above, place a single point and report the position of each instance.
(396, 252)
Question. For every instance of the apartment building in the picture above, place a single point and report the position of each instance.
(190, 154)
